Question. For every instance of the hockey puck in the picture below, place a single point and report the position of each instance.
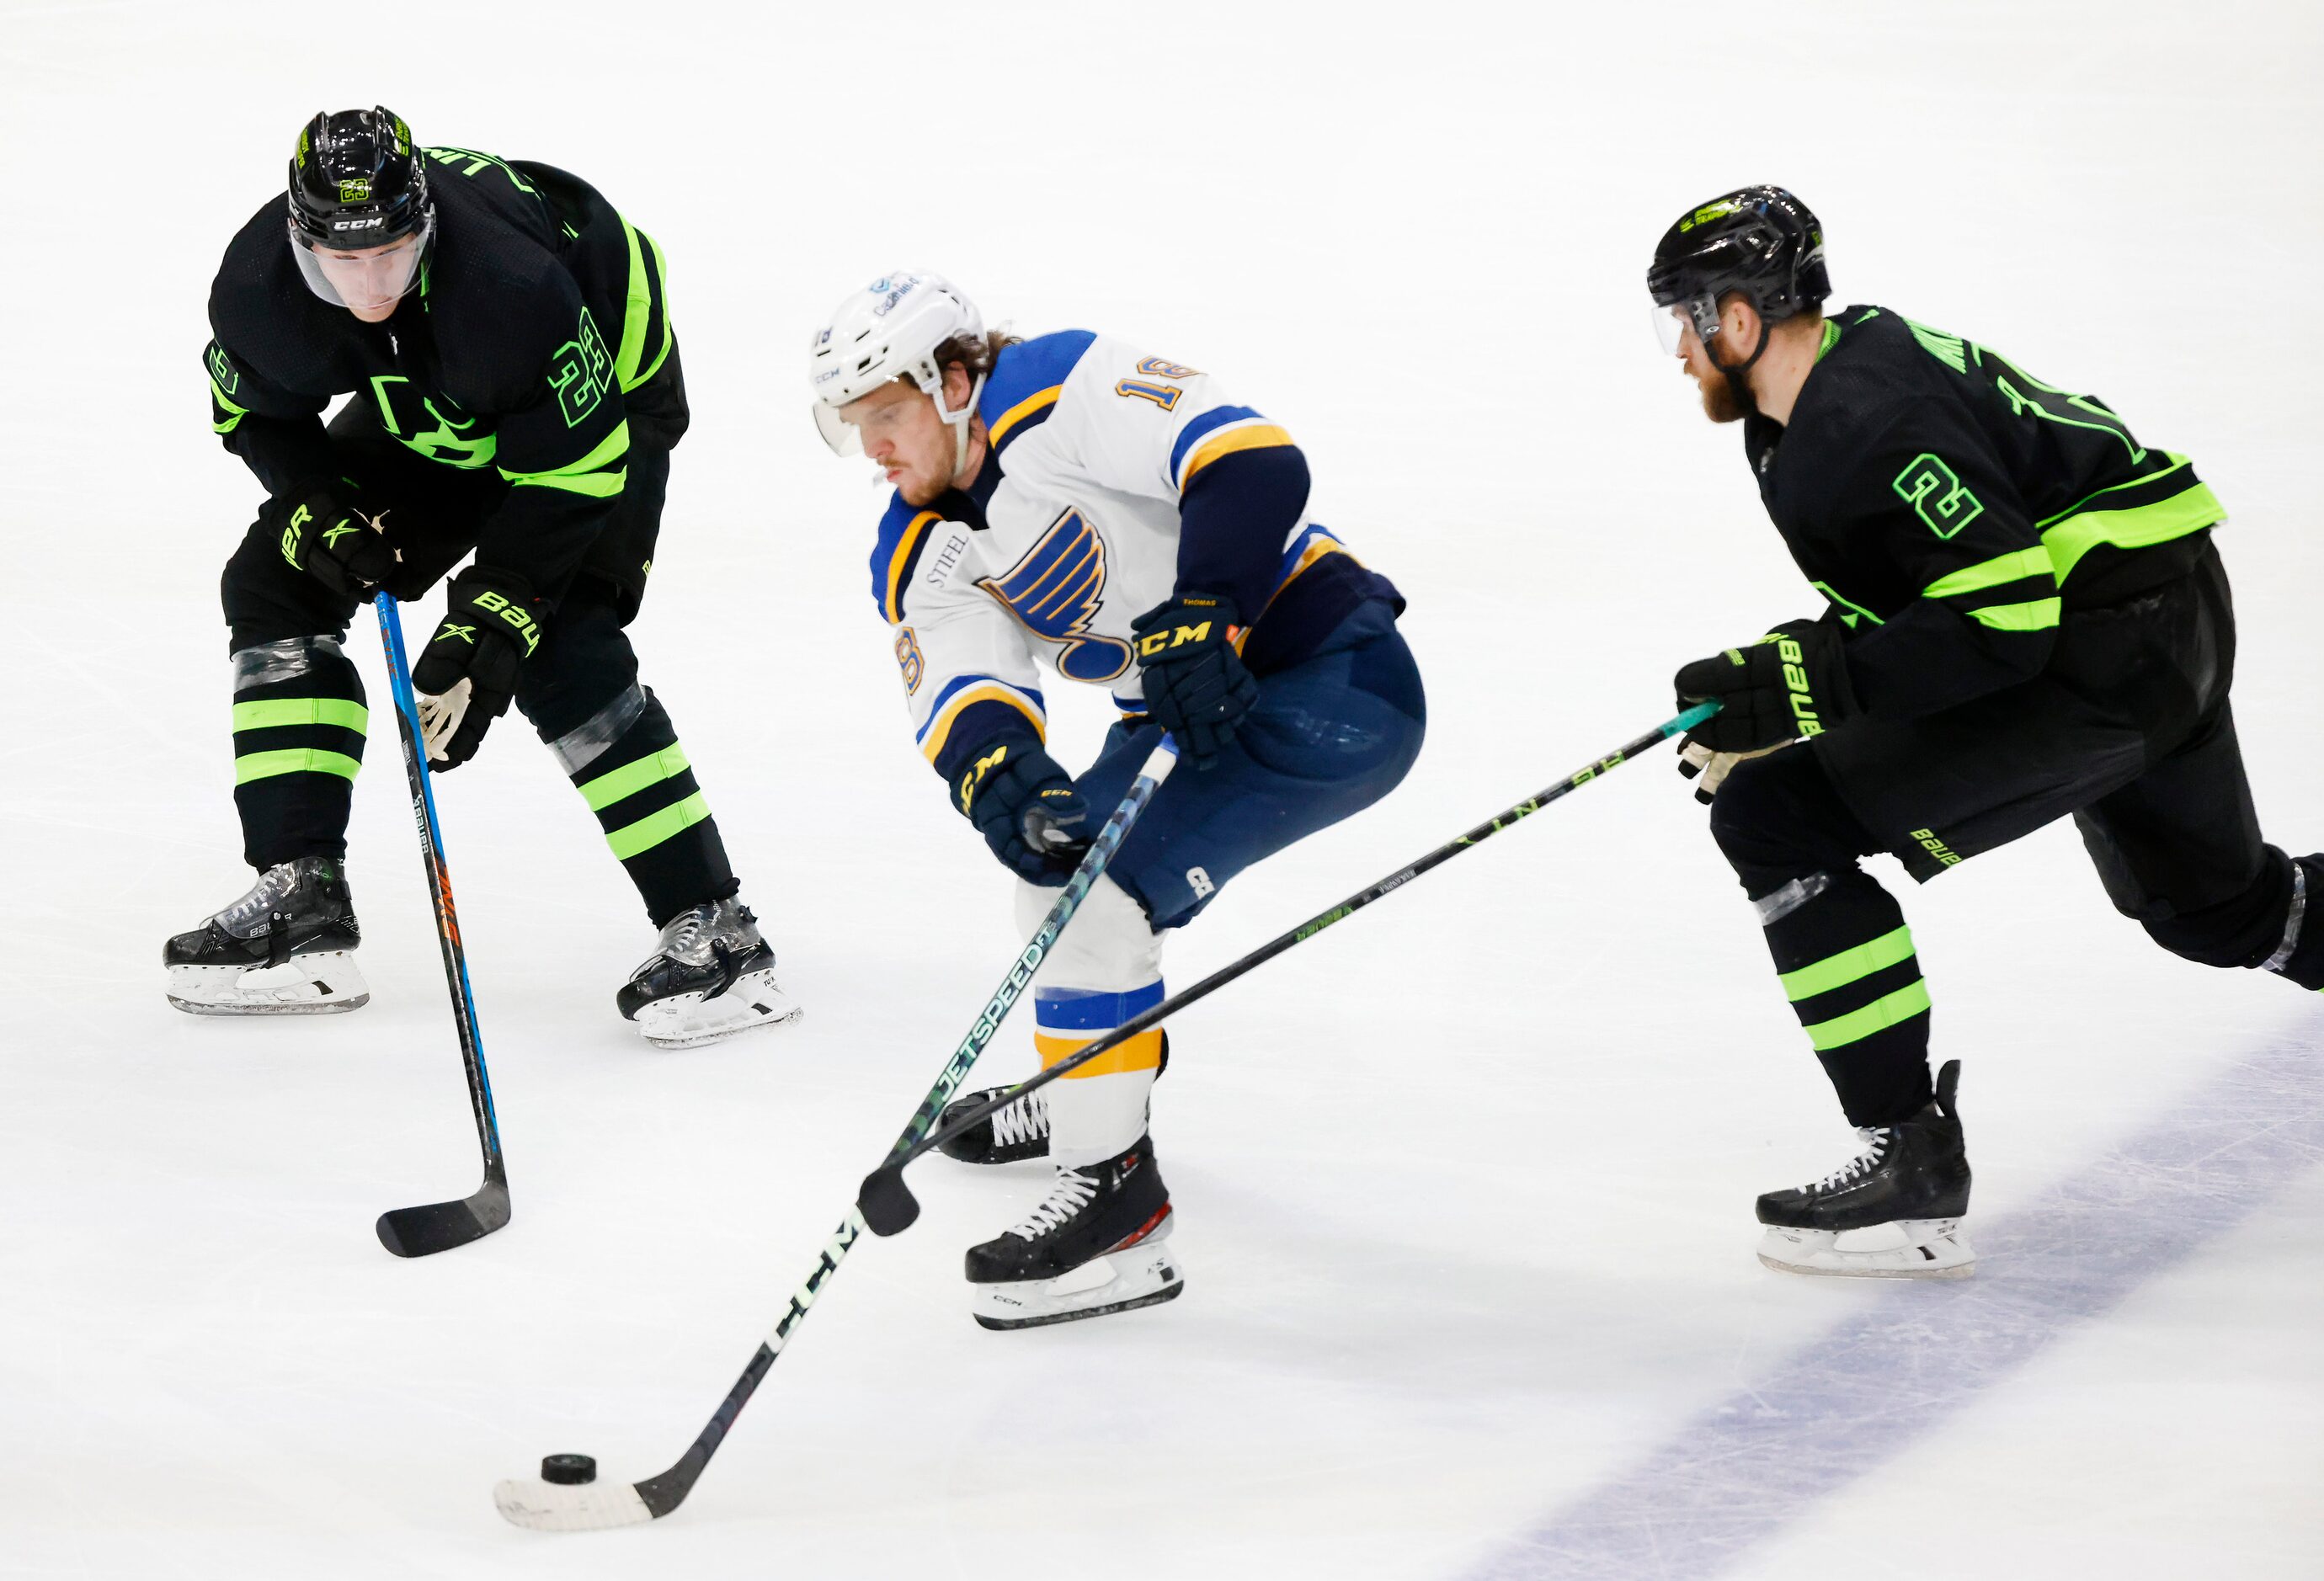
(569, 1470)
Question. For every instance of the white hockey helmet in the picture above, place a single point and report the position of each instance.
(891, 329)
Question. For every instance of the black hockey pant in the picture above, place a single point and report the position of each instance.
(299, 713)
(2128, 731)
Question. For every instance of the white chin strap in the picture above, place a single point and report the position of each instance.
(960, 421)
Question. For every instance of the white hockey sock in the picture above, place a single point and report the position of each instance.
(1093, 1118)
(1105, 970)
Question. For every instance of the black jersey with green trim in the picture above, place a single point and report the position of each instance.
(1951, 507)
(531, 346)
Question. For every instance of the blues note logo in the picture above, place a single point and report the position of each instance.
(1055, 590)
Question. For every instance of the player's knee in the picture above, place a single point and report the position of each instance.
(1770, 817)
(586, 666)
(1111, 945)
(266, 599)
(2246, 929)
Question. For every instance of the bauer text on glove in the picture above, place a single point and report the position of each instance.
(337, 545)
(467, 673)
(1791, 684)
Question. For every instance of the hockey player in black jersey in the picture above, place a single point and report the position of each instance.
(2025, 618)
(515, 390)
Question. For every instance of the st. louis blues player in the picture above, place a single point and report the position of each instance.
(1072, 501)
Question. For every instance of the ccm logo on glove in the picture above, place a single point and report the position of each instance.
(1197, 685)
(1024, 803)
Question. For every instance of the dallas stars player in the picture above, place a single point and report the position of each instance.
(517, 392)
(2027, 619)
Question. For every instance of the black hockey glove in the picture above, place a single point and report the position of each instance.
(1024, 803)
(1196, 686)
(466, 673)
(1791, 684)
(339, 546)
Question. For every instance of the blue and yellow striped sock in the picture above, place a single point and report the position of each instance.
(1100, 1109)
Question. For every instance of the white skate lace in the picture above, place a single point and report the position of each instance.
(691, 935)
(1875, 1140)
(247, 918)
(1070, 1193)
(1026, 1120)
(682, 939)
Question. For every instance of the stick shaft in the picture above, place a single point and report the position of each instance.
(439, 884)
(664, 1492)
(1146, 1020)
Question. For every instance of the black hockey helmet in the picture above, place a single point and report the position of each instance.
(1760, 241)
(359, 182)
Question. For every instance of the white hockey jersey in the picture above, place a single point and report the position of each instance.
(1070, 531)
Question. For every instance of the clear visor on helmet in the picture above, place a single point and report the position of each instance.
(871, 417)
(1671, 323)
(362, 279)
(836, 431)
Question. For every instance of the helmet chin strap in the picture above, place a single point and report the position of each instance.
(961, 421)
(1738, 374)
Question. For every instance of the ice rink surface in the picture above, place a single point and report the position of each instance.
(1464, 1186)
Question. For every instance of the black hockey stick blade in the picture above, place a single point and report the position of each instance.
(886, 1203)
(438, 1227)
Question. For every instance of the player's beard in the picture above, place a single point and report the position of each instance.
(920, 490)
(1720, 402)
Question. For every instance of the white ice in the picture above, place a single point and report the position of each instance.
(1464, 1185)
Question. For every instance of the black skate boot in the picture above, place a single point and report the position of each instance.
(287, 948)
(1091, 1247)
(1892, 1212)
(1018, 1132)
(1007, 1135)
(711, 977)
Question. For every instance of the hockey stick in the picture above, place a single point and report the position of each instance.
(578, 1503)
(887, 1206)
(438, 1227)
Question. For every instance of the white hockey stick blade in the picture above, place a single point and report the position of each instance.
(547, 1506)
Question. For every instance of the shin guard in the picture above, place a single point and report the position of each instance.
(626, 761)
(299, 725)
(1845, 959)
(1105, 969)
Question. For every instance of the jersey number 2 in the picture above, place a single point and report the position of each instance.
(1936, 492)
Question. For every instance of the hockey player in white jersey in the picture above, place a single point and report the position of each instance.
(1071, 502)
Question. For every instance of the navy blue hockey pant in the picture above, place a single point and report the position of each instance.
(1328, 737)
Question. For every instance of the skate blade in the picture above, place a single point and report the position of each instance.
(1141, 1278)
(324, 983)
(688, 1021)
(1909, 1248)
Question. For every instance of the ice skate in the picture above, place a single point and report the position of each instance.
(1010, 1134)
(711, 977)
(1007, 1135)
(1092, 1246)
(1894, 1212)
(287, 948)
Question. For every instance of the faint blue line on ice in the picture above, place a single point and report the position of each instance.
(1875, 1384)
